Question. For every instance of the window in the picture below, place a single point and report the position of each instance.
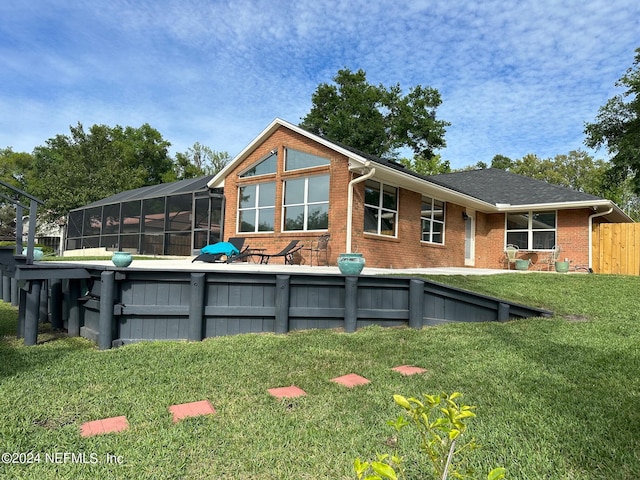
(262, 167)
(256, 207)
(306, 203)
(531, 230)
(296, 160)
(380, 208)
(432, 216)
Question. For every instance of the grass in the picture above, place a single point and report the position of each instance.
(556, 398)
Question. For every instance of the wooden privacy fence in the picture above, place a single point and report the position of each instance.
(616, 248)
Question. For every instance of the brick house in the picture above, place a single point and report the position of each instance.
(291, 184)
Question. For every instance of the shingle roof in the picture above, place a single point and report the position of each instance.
(490, 185)
(496, 186)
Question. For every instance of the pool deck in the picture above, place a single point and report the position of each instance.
(250, 267)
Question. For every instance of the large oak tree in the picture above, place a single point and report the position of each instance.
(376, 119)
(617, 126)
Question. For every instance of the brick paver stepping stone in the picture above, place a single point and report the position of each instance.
(351, 380)
(107, 425)
(192, 409)
(408, 370)
(287, 392)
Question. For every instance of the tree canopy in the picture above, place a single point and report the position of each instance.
(427, 166)
(73, 170)
(198, 161)
(376, 119)
(617, 126)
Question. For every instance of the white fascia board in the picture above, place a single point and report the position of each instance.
(416, 184)
(218, 180)
(506, 207)
(594, 205)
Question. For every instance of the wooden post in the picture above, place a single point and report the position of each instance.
(6, 288)
(350, 304)
(15, 294)
(416, 303)
(73, 324)
(282, 303)
(43, 315)
(503, 312)
(21, 313)
(105, 323)
(196, 306)
(56, 304)
(32, 312)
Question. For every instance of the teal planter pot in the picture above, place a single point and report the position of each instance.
(522, 264)
(351, 263)
(562, 267)
(37, 253)
(122, 259)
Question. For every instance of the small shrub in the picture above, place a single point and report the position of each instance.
(441, 423)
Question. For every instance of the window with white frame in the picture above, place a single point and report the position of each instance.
(531, 230)
(256, 207)
(264, 166)
(432, 216)
(380, 208)
(306, 203)
(297, 160)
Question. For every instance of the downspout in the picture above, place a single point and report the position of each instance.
(361, 178)
(591, 217)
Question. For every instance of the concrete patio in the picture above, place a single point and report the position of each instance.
(250, 267)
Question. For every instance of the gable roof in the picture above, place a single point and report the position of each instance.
(487, 190)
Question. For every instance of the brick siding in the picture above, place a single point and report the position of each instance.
(406, 250)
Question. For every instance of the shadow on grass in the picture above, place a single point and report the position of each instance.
(52, 345)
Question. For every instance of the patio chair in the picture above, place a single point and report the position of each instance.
(318, 246)
(223, 252)
(511, 252)
(286, 253)
(552, 258)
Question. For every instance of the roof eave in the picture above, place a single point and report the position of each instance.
(597, 206)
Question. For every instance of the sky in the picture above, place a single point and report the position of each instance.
(516, 77)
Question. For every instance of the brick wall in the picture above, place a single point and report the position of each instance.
(572, 236)
(339, 179)
(406, 250)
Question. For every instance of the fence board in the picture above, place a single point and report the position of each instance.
(616, 248)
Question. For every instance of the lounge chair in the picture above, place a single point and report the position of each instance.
(286, 253)
(223, 252)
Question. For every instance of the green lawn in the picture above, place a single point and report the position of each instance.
(556, 398)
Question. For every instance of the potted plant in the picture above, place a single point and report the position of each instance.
(562, 266)
(350, 263)
(121, 259)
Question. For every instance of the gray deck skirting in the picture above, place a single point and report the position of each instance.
(113, 306)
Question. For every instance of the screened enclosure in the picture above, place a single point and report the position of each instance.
(167, 219)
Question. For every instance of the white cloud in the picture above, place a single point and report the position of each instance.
(515, 78)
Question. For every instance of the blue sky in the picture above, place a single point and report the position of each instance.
(516, 77)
